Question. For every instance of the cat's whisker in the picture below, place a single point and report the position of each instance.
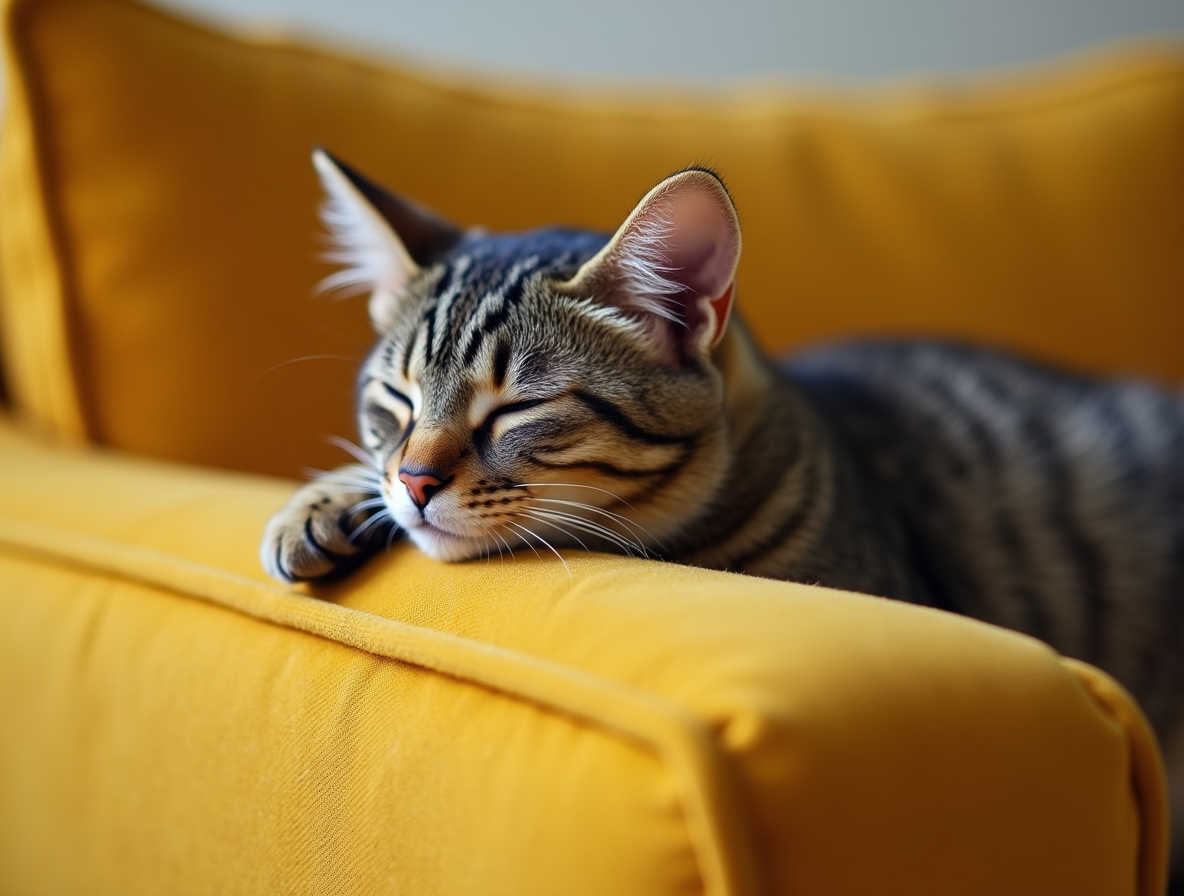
(366, 505)
(555, 524)
(629, 535)
(524, 541)
(353, 472)
(592, 528)
(274, 367)
(378, 518)
(594, 488)
(501, 538)
(334, 477)
(390, 539)
(363, 490)
(589, 526)
(625, 521)
(542, 541)
(357, 474)
(356, 451)
(340, 335)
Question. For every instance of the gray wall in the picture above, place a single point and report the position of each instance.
(669, 40)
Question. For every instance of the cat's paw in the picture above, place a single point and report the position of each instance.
(316, 534)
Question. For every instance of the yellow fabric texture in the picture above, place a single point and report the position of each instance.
(176, 724)
(161, 228)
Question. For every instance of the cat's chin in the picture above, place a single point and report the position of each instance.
(441, 545)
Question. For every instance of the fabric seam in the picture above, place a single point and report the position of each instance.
(1146, 771)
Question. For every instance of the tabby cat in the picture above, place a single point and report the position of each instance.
(565, 388)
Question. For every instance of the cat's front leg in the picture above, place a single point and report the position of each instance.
(327, 528)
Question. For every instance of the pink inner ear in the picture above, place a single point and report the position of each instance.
(671, 264)
(689, 240)
(702, 247)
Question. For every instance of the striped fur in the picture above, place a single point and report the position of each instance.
(561, 388)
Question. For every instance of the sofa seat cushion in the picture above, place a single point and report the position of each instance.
(175, 723)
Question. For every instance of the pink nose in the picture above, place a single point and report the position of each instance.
(421, 487)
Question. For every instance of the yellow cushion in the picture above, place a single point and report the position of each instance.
(159, 229)
(173, 723)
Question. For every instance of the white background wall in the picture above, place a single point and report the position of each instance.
(678, 40)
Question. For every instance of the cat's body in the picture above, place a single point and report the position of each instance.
(564, 388)
(1023, 496)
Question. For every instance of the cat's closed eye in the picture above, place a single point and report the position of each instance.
(398, 396)
(502, 418)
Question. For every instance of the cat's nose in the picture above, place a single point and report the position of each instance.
(421, 486)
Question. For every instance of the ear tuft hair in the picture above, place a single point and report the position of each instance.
(361, 241)
(672, 264)
(381, 240)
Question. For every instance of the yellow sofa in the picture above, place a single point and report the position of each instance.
(175, 723)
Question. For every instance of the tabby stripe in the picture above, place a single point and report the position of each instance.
(1038, 621)
(501, 363)
(1169, 418)
(447, 300)
(920, 562)
(511, 288)
(489, 323)
(1090, 565)
(802, 511)
(471, 348)
(612, 413)
(1063, 517)
(508, 294)
(388, 354)
(1174, 587)
(509, 291)
(429, 318)
(750, 465)
(450, 283)
(458, 290)
(1037, 616)
(410, 350)
(667, 473)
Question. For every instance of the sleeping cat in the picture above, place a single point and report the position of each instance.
(565, 388)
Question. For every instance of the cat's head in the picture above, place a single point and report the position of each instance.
(553, 387)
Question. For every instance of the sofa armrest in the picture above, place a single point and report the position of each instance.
(176, 723)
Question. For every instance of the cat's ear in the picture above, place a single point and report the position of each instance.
(672, 264)
(381, 240)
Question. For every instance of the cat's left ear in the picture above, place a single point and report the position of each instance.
(672, 264)
(381, 240)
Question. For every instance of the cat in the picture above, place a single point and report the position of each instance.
(567, 388)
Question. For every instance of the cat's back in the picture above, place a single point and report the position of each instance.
(1040, 500)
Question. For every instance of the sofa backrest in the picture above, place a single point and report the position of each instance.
(159, 244)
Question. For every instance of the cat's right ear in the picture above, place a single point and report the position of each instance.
(671, 265)
(381, 240)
